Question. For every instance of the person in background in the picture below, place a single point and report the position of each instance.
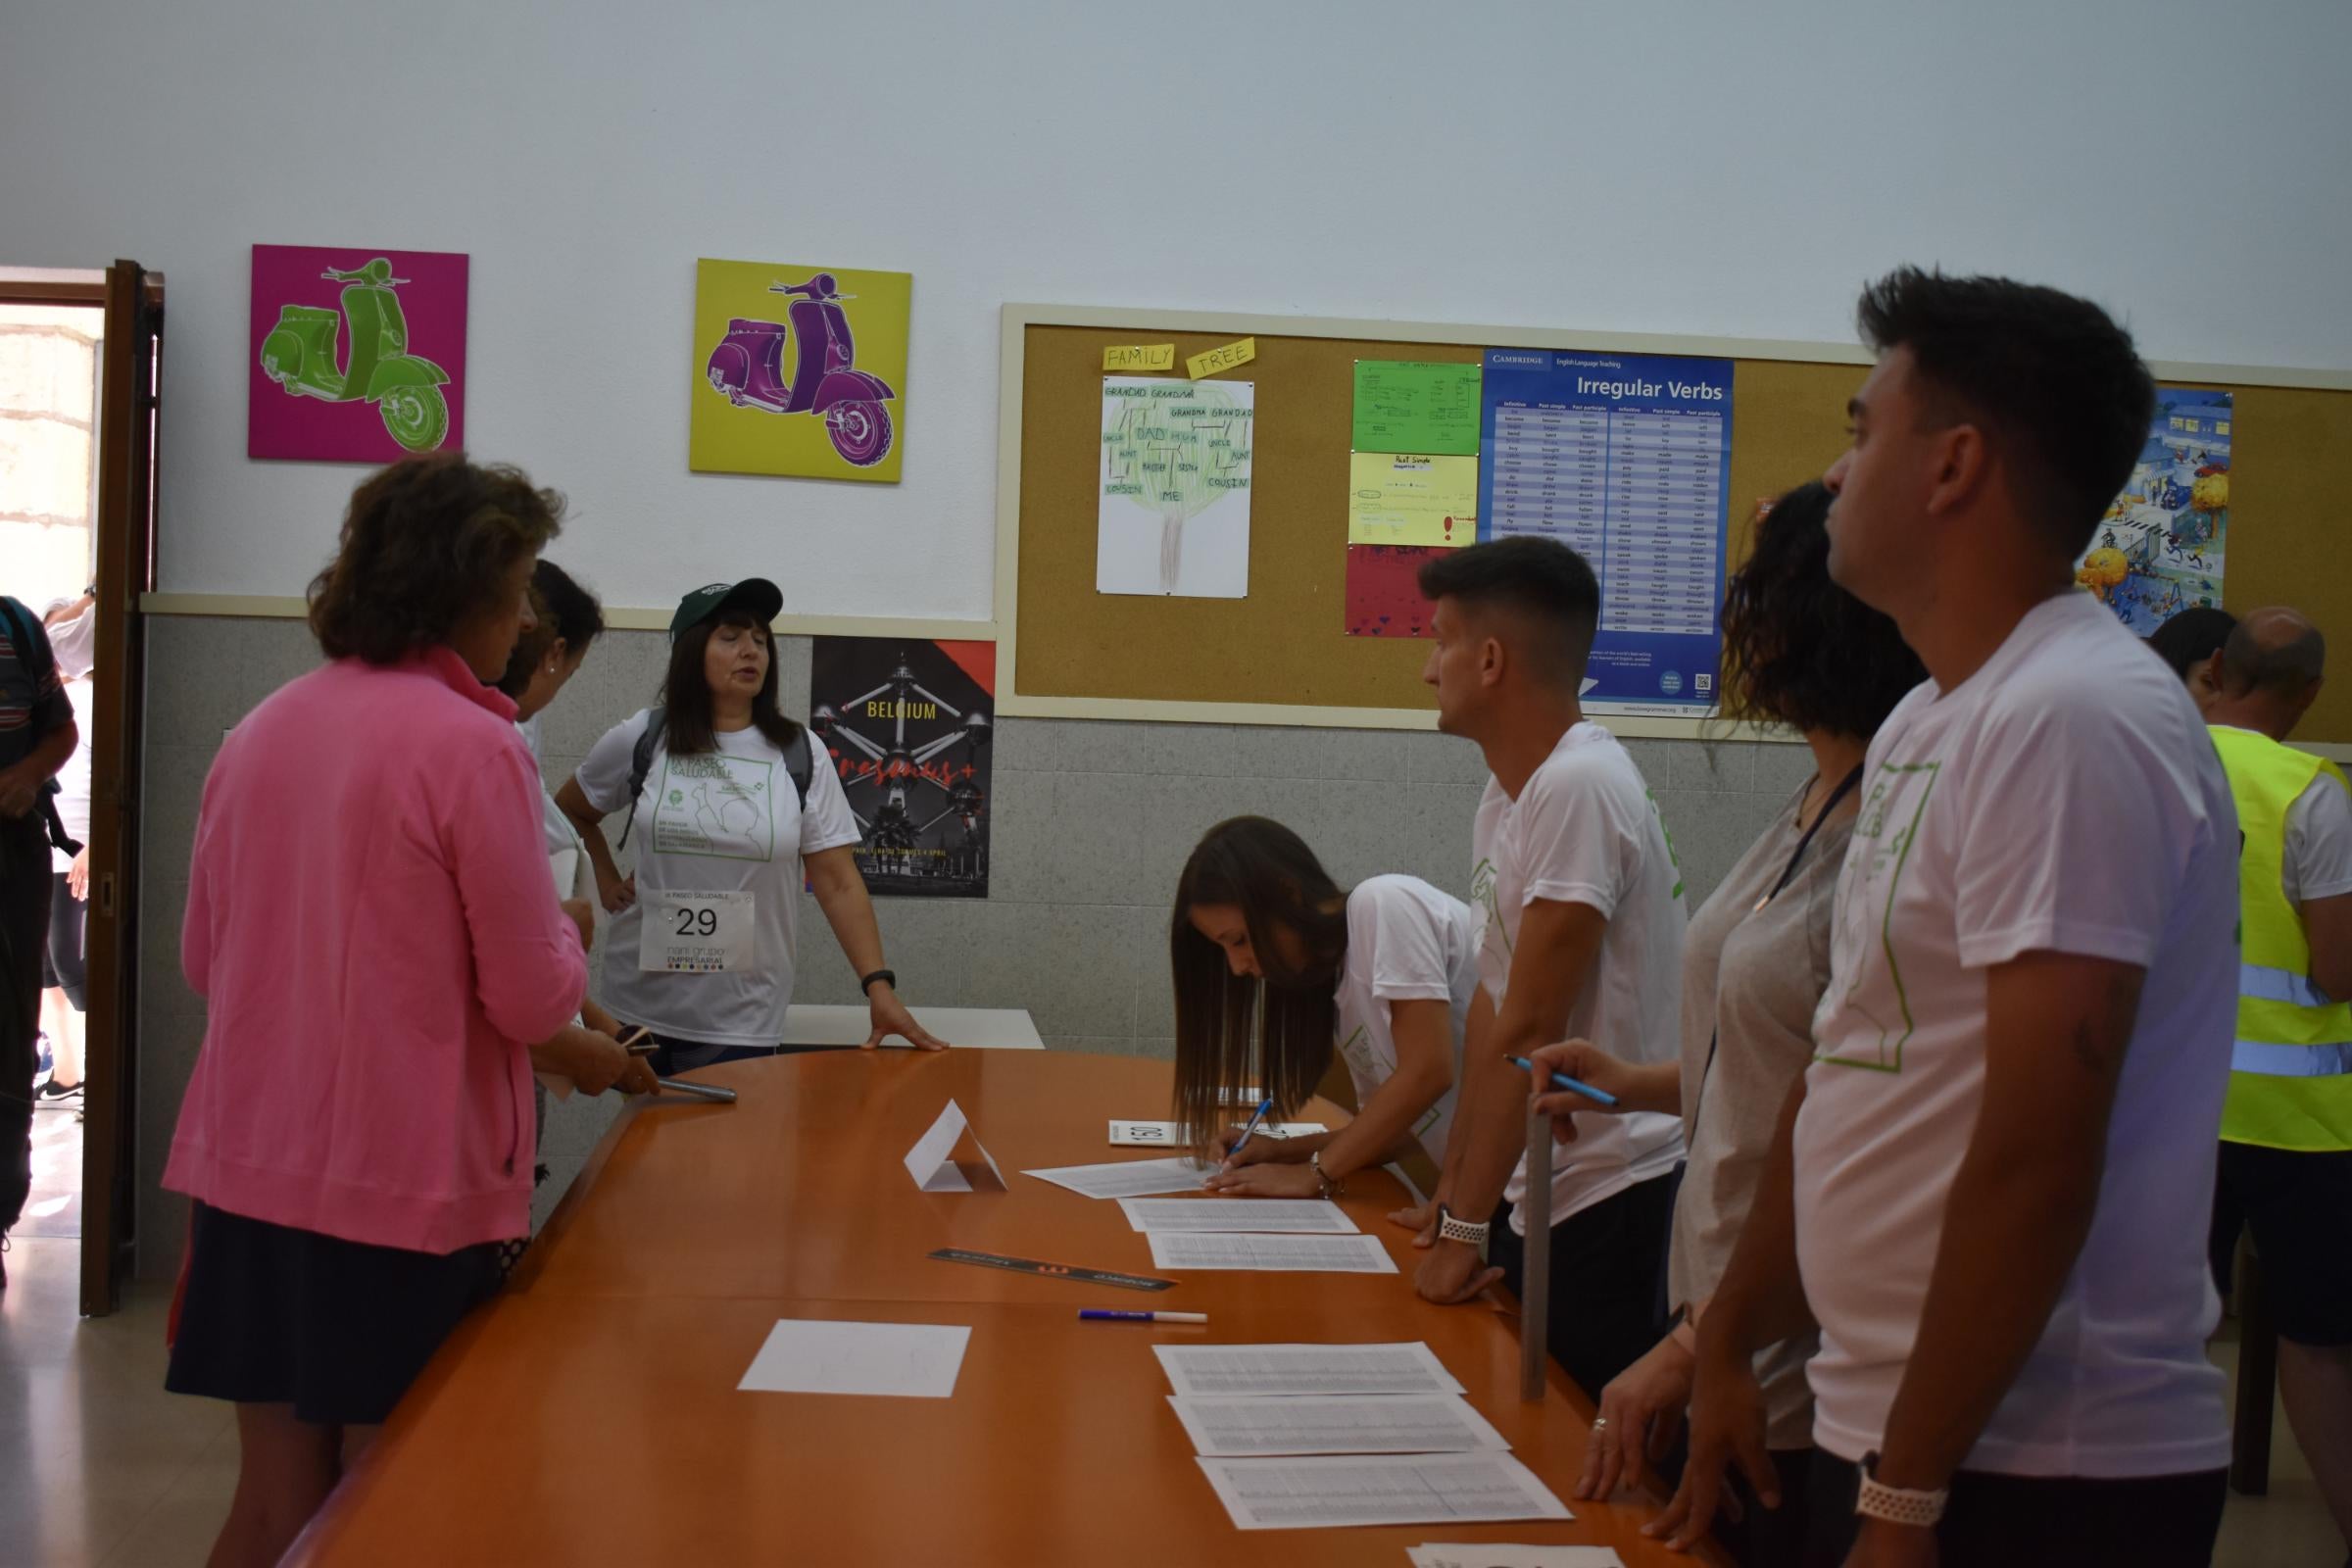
(2286, 1126)
(368, 923)
(71, 628)
(38, 734)
(1800, 651)
(2190, 643)
(1379, 973)
(704, 945)
(1977, 1190)
(567, 621)
(1582, 934)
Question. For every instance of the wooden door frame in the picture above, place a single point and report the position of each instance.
(124, 544)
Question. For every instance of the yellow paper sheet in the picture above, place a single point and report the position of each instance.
(1141, 357)
(1224, 359)
(1405, 497)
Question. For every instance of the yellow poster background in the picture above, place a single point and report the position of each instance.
(727, 437)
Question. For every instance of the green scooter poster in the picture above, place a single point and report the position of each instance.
(358, 354)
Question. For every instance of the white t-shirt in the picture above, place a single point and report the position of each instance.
(1406, 942)
(2318, 863)
(2065, 798)
(719, 822)
(73, 779)
(1585, 830)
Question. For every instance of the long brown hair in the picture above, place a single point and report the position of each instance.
(686, 690)
(1267, 872)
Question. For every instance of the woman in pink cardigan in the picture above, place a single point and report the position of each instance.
(371, 923)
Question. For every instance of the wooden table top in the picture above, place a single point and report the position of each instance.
(590, 1415)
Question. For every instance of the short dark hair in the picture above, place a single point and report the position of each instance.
(2192, 637)
(1540, 578)
(2053, 377)
(426, 545)
(563, 609)
(1797, 648)
(686, 703)
(2280, 667)
(1266, 871)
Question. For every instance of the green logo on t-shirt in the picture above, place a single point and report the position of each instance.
(1872, 988)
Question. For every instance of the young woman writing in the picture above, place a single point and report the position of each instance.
(1380, 974)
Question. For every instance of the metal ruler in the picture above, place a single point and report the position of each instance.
(1058, 1271)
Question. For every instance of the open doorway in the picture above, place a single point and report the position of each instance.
(51, 361)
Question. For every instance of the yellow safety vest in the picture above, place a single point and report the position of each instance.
(2290, 1080)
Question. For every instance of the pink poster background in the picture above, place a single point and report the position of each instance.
(281, 424)
(1384, 589)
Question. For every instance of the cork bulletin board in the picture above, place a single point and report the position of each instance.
(1281, 655)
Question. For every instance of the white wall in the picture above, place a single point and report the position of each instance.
(1670, 167)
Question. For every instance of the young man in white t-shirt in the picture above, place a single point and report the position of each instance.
(1992, 1181)
(1582, 917)
(2286, 1127)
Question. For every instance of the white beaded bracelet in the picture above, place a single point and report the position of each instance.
(1894, 1505)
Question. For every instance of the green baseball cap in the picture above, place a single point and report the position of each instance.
(758, 595)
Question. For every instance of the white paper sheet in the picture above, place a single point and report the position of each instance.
(1296, 1255)
(911, 1360)
(931, 1160)
(1127, 1178)
(1498, 1555)
(1213, 1371)
(1304, 1493)
(1310, 1216)
(1173, 514)
(1170, 1135)
(1354, 1423)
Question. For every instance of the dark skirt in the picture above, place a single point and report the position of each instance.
(337, 1329)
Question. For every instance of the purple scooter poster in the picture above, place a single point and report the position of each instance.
(799, 370)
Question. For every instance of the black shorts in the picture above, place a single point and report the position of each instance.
(337, 1329)
(63, 964)
(1605, 1263)
(2298, 1203)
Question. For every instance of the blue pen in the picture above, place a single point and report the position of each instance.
(1573, 1086)
(1255, 1116)
(1096, 1314)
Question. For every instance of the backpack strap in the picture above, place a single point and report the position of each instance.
(641, 763)
(799, 761)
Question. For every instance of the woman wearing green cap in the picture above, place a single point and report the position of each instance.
(732, 805)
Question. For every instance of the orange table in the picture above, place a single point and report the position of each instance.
(589, 1414)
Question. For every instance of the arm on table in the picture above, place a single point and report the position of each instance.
(840, 890)
(1558, 942)
(1423, 1030)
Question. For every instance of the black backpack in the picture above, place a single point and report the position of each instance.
(799, 761)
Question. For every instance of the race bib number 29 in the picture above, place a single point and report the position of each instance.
(697, 933)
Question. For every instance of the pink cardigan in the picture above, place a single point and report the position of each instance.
(368, 918)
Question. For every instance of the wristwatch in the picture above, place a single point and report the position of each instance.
(1331, 1189)
(1894, 1505)
(1461, 1230)
(865, 985)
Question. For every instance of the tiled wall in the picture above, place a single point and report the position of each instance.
(1093, 822)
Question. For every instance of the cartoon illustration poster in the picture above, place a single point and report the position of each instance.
(2162, 547)
(908, 724)
(358, 354)
(799, 370)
